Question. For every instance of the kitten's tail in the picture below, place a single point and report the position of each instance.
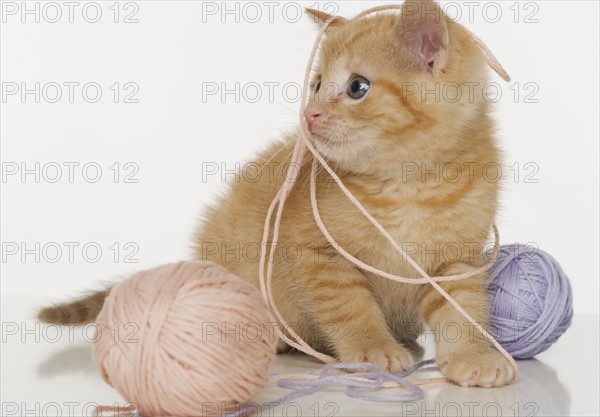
(81, 311)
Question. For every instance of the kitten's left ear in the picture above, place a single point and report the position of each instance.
(320, 17)
(423, 30)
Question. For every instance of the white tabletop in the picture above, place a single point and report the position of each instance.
(46, 372)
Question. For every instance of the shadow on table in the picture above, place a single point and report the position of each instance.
(74, 359)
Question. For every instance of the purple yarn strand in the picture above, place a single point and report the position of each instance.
(355, 387)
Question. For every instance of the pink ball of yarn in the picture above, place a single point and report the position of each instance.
(185, 339)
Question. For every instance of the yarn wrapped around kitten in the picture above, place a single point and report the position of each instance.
(185, 339)
(531, 300)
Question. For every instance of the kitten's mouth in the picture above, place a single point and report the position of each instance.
(327, 133)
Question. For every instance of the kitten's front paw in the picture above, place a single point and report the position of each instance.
(391, 356)
(470, 368)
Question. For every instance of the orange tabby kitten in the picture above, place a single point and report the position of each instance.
(386, 113)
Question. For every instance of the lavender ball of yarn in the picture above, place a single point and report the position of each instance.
(531, 300)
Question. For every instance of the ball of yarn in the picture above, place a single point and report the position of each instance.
(185, 339)
(531, 300)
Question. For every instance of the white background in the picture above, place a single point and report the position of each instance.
(169, 53)
(171, 132)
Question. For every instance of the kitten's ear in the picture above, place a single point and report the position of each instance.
(424, 32)
(320, 17)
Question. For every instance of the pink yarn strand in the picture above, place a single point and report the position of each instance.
(279, 201)
(370, 268)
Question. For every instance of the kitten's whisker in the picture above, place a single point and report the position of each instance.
(289, 156)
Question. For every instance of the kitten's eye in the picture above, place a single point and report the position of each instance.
(359, 86)
(317, 86)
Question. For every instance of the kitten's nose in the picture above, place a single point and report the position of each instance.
(311, 114)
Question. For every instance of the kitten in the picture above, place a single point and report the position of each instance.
(416, 161)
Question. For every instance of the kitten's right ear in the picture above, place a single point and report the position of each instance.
(320, 17)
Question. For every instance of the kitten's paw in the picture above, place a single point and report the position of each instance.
(471, 368)
(391, 356)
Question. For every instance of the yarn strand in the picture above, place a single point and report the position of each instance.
(362, 385)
